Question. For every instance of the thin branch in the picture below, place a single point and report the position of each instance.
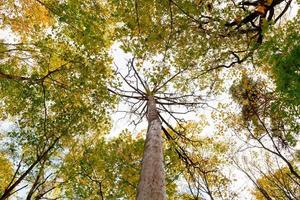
(145, 86)
(16, 172)
(170, 79)
(185, 12)
(283, 11)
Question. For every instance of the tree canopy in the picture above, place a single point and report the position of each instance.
(216, 81)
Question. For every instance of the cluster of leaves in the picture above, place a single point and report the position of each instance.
(270, 115)
(278, 185)
(262, 107)
(6, 172)
(203, 160)
(281, 55)
(287, 75)
(110, 169)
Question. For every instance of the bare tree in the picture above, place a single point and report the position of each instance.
(150, 99)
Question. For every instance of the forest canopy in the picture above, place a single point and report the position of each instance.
(150, 100)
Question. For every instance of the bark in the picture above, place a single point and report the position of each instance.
(152, 179)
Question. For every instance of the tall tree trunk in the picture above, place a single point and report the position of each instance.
(152, 179)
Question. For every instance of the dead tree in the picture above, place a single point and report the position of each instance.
(151, 100)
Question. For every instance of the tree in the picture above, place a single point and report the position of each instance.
(279, 185)
(148, 40)
(152, 179)
(114, 174)
(52, 91)
(256, 110)
(270, 120)
(203, 159)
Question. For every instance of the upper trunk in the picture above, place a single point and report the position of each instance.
(152, 179)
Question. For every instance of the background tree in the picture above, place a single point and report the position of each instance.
(279, 184)
(115, 174)
(53, 88)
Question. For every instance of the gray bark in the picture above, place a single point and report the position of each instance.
(152, 179)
